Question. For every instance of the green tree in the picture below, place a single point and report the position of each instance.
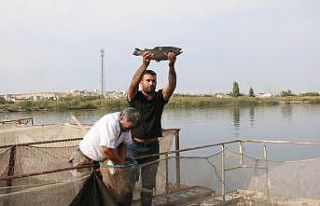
(287, 93)
(235, 89)
(2, 100)
(251, 93)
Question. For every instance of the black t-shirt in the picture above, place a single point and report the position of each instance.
(150, 115)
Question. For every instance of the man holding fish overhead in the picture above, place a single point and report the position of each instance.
(150, 104)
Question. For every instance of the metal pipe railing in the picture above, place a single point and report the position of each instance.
(262, 141)
(70, 168)
(12, 159)
(188, 149)
(8, 178)
(244, 167)
(39, 142)
(177, 152)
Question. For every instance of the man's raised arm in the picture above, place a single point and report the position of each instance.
(137, 77)
(172, 77)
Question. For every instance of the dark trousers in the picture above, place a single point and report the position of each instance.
(148, 171)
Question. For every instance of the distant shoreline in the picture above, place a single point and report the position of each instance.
(176, 102)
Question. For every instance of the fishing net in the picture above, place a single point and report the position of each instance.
(213, 176)
(120, 179)
(46, 160)
(247, 179)
(26, 134)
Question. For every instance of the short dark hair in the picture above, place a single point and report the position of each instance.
(149, 71)
(131, 115)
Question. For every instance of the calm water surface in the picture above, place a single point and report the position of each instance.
(208, 126)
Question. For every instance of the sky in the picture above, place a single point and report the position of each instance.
(54, 45)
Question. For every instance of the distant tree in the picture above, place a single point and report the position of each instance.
(2, 100)
(251, 93)
(235, 90)
(287, 93)
(309, 94)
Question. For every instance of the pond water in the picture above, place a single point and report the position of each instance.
(208, 126)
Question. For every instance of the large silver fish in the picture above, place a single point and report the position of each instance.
(160, 52)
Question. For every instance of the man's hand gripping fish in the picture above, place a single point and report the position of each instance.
(160, 53)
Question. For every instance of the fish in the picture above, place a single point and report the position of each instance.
(160, 52)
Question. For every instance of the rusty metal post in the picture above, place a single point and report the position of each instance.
(177, 148)
(223, 181)
(11, 164)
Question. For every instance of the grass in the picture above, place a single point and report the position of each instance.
(176, 102)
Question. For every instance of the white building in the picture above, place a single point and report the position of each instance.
(35, 96)
(263, 95)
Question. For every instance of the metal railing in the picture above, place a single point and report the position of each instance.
(242, 163)
(176, 152)
(12, 158)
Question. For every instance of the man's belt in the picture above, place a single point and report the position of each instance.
(80, 152)
(145, 141)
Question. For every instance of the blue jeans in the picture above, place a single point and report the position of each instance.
(139, 149)
(148, 171)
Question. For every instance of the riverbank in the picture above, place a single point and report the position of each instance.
(176, 102)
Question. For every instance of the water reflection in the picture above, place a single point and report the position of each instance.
(251, 116)
(286, 111)
(236, 120)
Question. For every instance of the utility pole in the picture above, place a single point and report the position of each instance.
(102, 72)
